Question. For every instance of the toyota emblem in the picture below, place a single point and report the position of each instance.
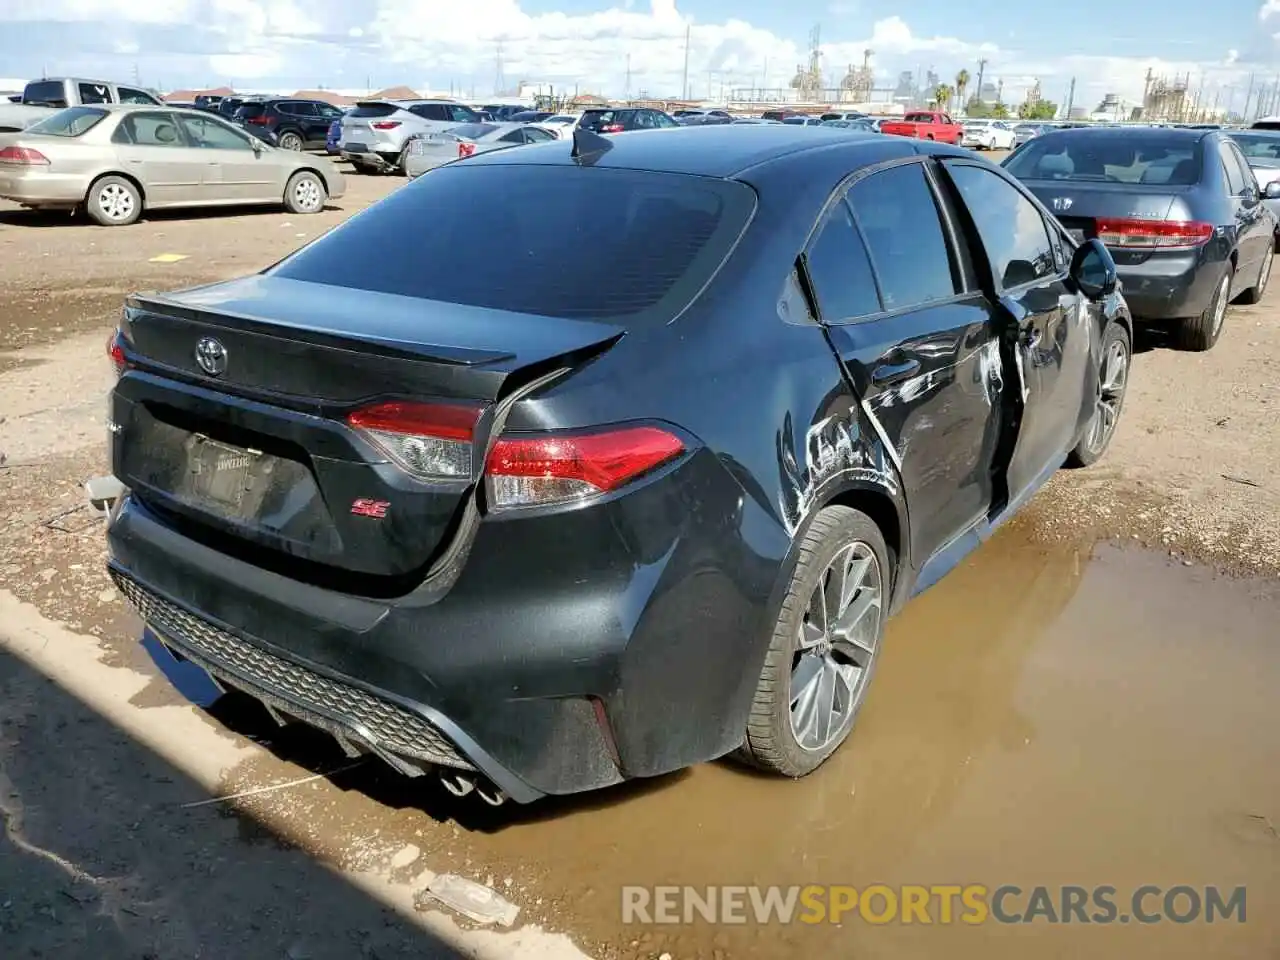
(212, 356)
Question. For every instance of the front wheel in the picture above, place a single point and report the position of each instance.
(305, 193)
(824, 647)
(114, 201)
(1255, 293)
(1109, 393)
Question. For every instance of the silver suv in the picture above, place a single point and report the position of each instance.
(375, 133)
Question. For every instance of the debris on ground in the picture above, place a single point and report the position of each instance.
(473, 900)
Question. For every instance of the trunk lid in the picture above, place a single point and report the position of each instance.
(1079, 204)
(260, 453)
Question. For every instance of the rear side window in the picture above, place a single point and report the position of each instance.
(130, 95)
(71, 122)
(584, 244)
(94, 93)
(1012, 230)
(1108, 157)
(839, 269)
(460, 114)
(899, 219)
(45, 93)
(250, 110)
(470, 131)
(367, 110)
(1246, 172)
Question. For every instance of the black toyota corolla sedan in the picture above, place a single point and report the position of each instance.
(1179, 209)
(726, 399)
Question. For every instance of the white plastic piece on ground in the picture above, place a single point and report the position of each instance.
(473, 900)
(103, 491)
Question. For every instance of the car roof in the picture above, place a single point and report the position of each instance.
(709, 151)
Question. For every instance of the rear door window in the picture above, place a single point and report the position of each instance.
(1012, 229)
(612, 244)
(534, 135)
(94, 93)
(212, 135)
(839, 269)
(300, 108)
(899, 218)
(1246, 172)
(148, 130)
(460, 114)
(131, 95)
(1235, 180)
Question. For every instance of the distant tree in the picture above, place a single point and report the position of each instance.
(1040, 110)
(999, 111)
(978, 110)
(942, 95)
(962, 84)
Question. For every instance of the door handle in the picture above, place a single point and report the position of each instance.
(888, 373)
(1030, 339)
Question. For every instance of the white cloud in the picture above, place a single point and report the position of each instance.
(435, 43)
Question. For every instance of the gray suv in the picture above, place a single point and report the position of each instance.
(376, 132)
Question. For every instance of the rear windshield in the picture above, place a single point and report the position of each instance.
(71, 122)
(1108, 158)
(470, 131)
(581, 244)
(373, 110)
(918, 118)
(248, 110)
(45, 93)
(1260, 149)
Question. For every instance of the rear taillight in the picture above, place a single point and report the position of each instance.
(431, 441)
(552, 469)
(115, 350)
(259, 121)
(611, 128)
(1129, 234)
(23, 157)
(385, 124)
(466, 149)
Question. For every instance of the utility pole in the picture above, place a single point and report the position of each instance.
(1071, 98)
(628, 77)
(982, 67)
(687, 30)
(999, 91)
(1244, 114)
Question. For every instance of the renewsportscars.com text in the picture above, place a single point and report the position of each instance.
(937, 903)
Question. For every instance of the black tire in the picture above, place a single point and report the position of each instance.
(1095, 441)
(771, 740)
(1255, 293)
(305, 193)
(402, 163)
(1201, 332)
(291, 141)
(113, 201)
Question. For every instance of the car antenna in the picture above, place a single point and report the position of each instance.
(588, 146)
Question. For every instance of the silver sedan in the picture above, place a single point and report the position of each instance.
(427, 151)
(118, 160)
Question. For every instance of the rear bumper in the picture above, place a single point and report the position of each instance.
(570, 654)
(1170, 287)
(41, 187)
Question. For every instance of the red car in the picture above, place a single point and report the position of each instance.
(927, 125)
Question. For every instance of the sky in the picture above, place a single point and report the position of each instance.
(443, 45)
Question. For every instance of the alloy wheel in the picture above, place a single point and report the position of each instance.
(1220, 304)
(116, 202)
(1112, 380)
(837, 642)
(291, 141)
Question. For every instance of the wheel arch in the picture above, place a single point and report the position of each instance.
(142, 190)
(317, 171)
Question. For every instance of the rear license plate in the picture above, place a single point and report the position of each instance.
(1076, 235)
(225, 476)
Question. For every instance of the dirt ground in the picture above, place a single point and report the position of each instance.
(1090, 699)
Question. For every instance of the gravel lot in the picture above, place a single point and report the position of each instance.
(1193, 477)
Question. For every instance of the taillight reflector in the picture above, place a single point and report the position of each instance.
(431, 441)
(23, 157)
(550, 469)
(466, 149)
(385, 124)
(115, 350)
(1130, 234)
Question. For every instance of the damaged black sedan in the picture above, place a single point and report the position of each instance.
(629, 475)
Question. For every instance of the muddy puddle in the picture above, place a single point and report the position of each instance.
(1047, 716)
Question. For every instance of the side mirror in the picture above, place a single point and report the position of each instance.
(1093, 271)
(257, 146)
(1272, 190)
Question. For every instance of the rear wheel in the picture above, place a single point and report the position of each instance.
(1113, 381)
(114, 201)
(824, 646)
(290, 141)
(305, 193)
(1202, 332)
(1255, 293)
